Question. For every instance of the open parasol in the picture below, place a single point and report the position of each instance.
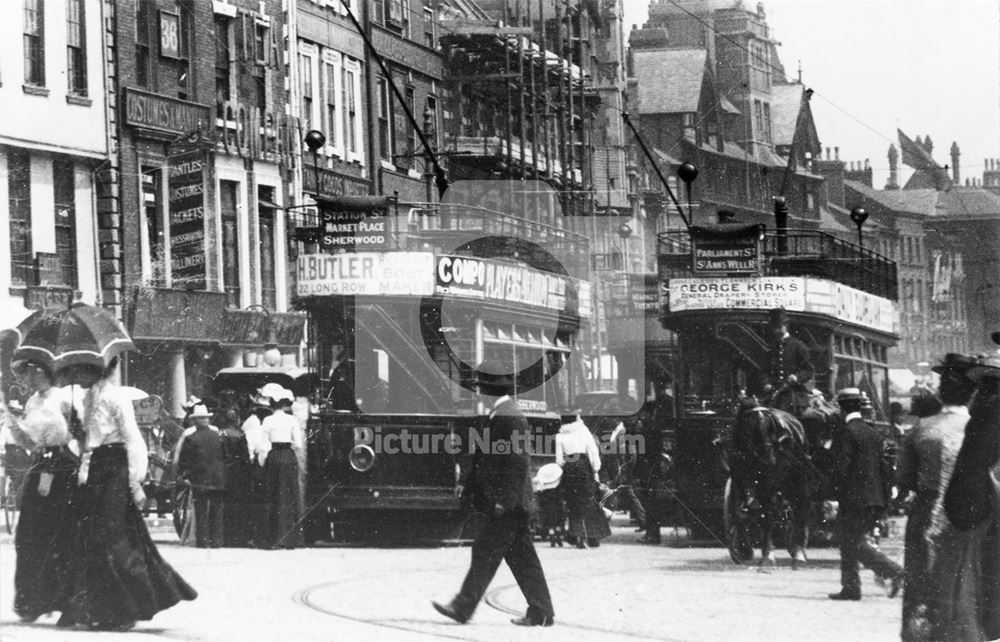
(79, 335)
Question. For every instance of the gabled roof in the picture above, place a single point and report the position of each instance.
(669, 80)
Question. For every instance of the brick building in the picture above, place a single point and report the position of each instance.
(199, 182)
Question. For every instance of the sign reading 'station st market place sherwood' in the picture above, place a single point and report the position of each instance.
(358, 229)
(186, 197)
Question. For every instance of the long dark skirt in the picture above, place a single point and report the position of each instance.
(44, 533)
(236, 512)
(118, 575)
(577, 487)
(281, 470)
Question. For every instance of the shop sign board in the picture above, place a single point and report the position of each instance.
(332, 183)
(366, 273)
(164, 113)
(644, 293)
(186, 200)
(793, 293)
(514, 283)
(739, 293)
(42, 297)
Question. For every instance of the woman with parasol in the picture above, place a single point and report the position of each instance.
(117, 576)
(45, 529)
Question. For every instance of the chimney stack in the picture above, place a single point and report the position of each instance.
(955, 167)
(893, 182)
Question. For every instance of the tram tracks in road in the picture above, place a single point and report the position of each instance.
(306, 598)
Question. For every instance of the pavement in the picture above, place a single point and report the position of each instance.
(619, 591)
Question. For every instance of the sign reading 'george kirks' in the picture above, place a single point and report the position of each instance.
(186, 198)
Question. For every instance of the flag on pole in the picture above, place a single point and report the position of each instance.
(913, 154)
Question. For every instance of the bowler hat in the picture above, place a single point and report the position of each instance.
(955, 361)
(777, 317)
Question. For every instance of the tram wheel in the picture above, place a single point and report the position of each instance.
(740, 548)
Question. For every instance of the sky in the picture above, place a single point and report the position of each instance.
(928, 67)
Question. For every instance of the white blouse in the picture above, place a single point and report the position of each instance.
(257, 443)
(109, 418)
(281, 427)
(575, 439)
(44, 421)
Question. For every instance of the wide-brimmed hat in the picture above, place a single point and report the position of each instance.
(547, 477)
(954, 361)
(191, 402)
(986, 365)
(276, 392)
(200, 410)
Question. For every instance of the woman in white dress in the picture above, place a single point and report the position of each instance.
(118, 576)
(45, 528)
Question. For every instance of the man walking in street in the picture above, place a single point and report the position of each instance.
(499, 486)
(861, 491)
(201, 464)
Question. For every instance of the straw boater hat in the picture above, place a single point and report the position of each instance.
(276, 392)
(547, 477)
(200, 410)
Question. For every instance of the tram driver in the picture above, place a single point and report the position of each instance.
(791, 371)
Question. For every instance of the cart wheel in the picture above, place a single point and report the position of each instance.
(182, 495)
(740, 548)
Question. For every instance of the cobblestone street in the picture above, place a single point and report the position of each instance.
(620, 591)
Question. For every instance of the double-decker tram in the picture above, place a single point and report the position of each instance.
(394, 338)
(721, 282)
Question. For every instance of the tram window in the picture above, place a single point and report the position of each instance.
(844, 374)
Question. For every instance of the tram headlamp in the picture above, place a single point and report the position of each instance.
(361, 458)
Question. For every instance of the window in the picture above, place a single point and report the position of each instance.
(184, 63)
(260, 43)
(306, 85)
(333, 122)
(142, 74)
(19, 204)
(758, 114)
(223, 70)
(398, 11)
(265, 222)
(34, 42)
(151, 199)
(405, 157)
(767, 122)
(64, 180)
(430, 27)
(378, 11)
(228, 200)
(352, 107)
(384, 119)
(76, 48)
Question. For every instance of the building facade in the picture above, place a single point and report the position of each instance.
(53, 141)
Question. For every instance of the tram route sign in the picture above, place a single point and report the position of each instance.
(726, 249)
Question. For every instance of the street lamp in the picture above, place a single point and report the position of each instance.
(271, 355)
(687, 173)
(859, 215)
(314, 140)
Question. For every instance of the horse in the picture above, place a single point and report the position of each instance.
(770, 481)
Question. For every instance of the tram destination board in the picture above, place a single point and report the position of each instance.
(726, 249)
(352, 229)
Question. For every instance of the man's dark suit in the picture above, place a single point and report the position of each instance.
(201, 463)
(862, 495)
(789, 356)
(499, 486)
